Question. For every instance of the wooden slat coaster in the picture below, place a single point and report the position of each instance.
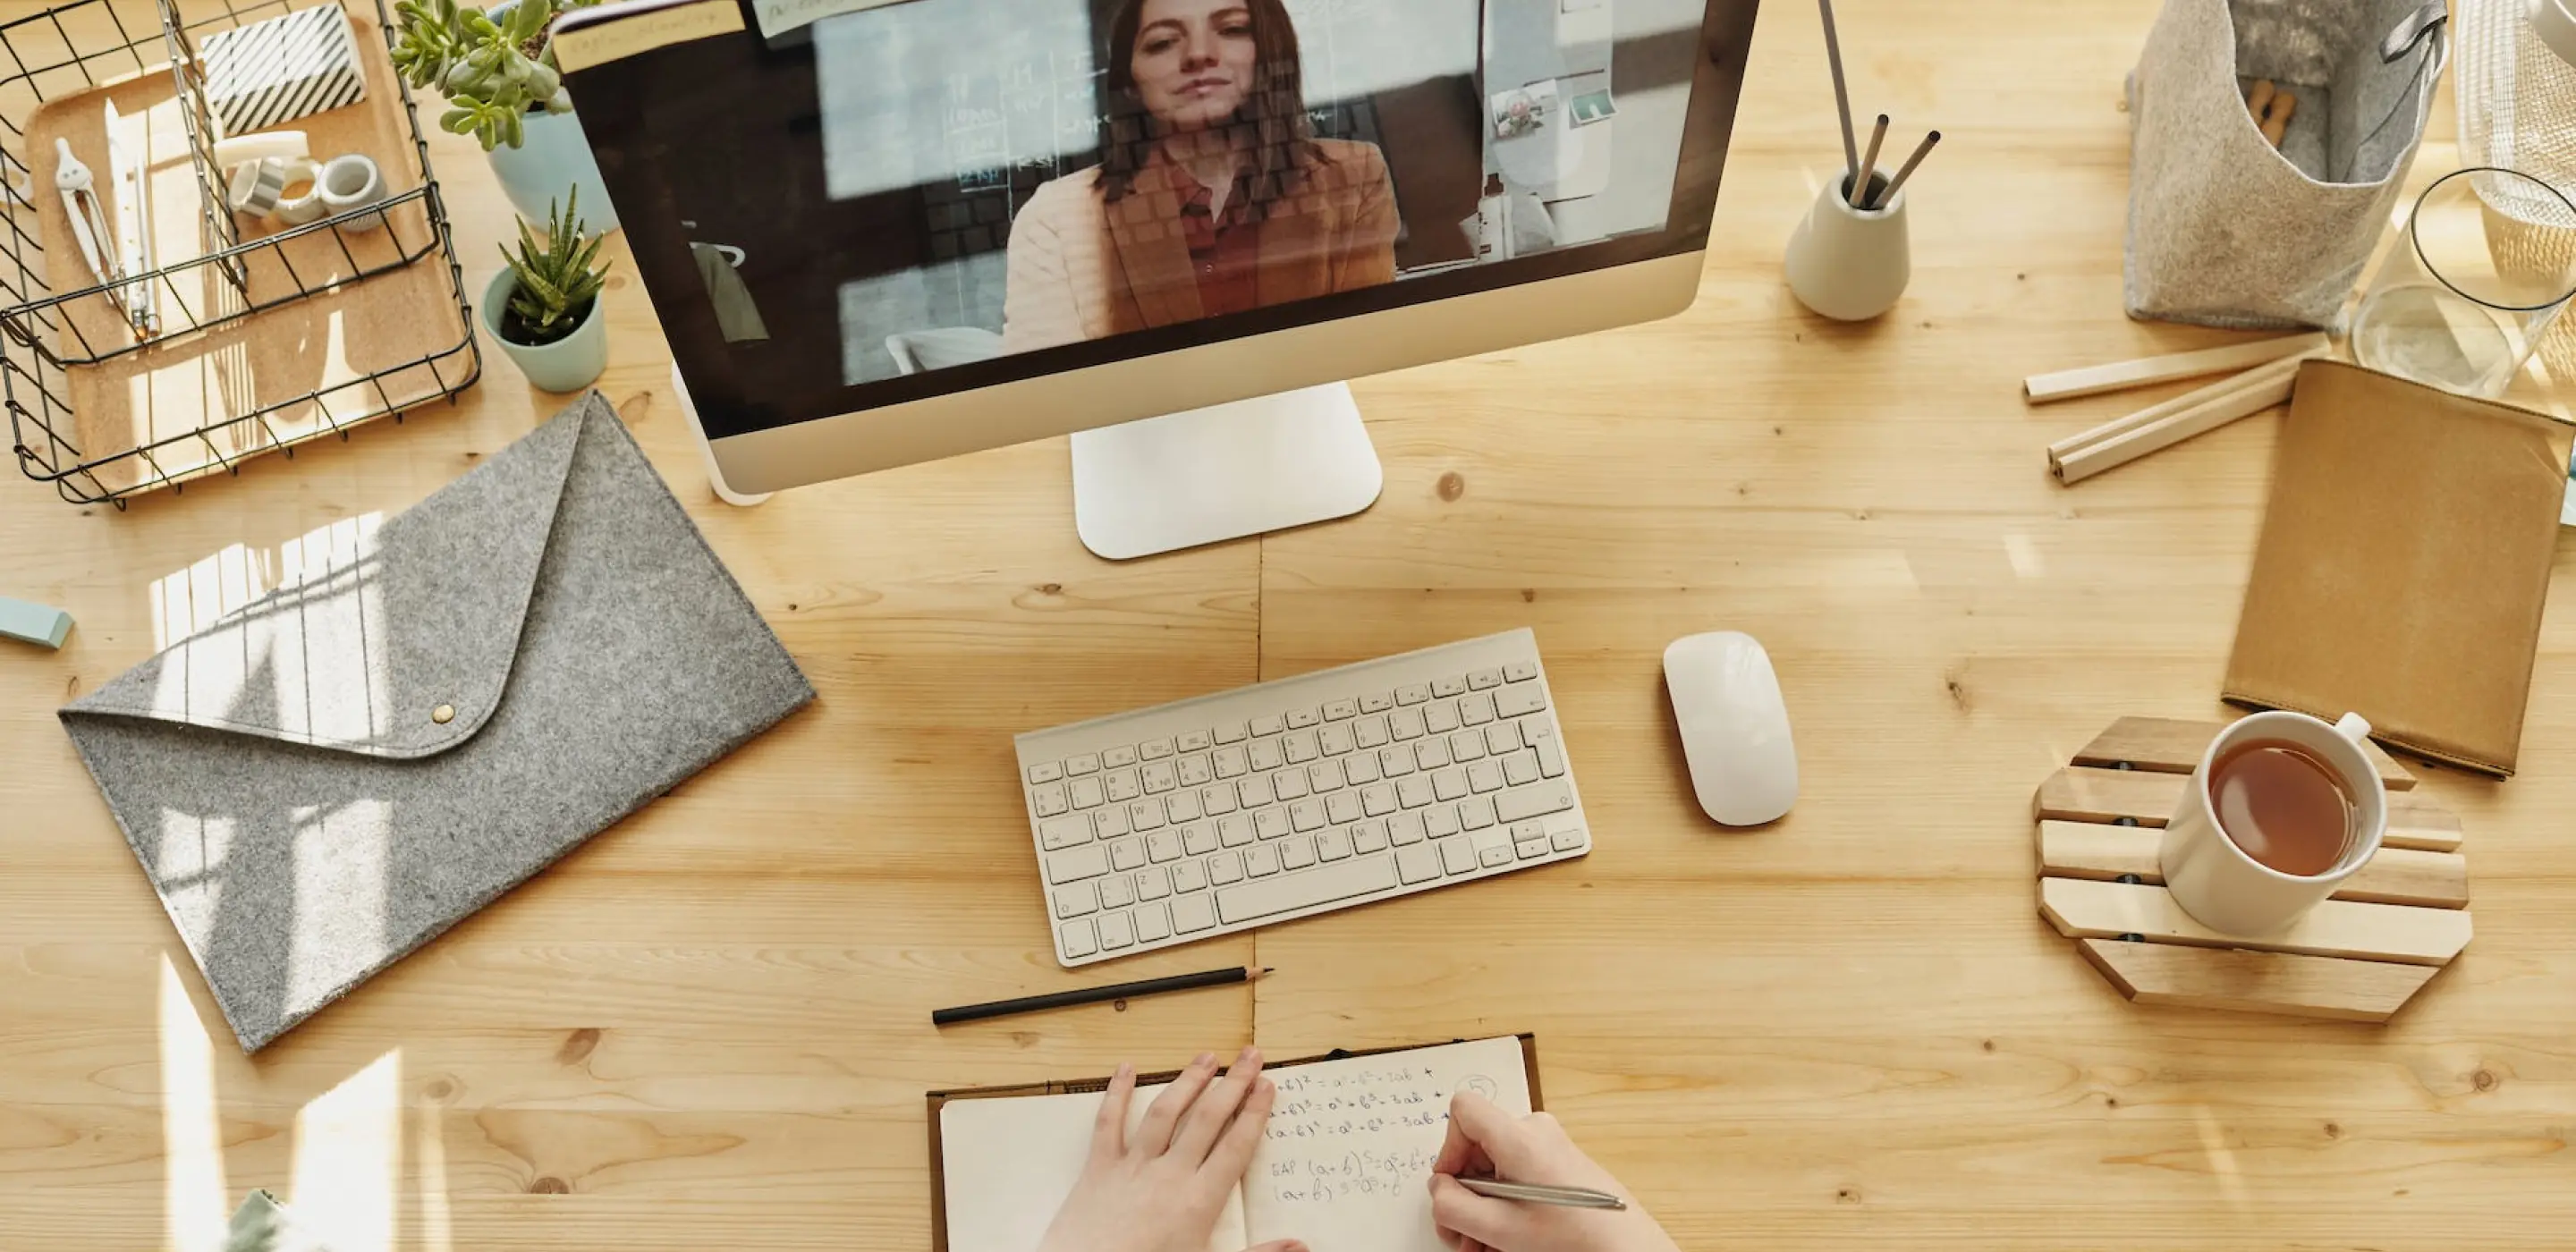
(2357, 957)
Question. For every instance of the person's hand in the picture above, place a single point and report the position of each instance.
(1486, 1142)
(1161, 1187)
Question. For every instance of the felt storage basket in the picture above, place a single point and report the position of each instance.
(2223, 229)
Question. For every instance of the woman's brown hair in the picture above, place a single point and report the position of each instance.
(1273, 116)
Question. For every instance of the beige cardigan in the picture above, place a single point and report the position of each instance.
(1083, 269)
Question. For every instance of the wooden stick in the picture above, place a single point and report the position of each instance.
(2435, 880)
(2256, 982)
(2370, 932)
(1860, 196)
(2078, 794)
(2093, 380)
(2256, 390)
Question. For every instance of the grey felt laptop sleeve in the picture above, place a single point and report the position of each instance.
(428, 714)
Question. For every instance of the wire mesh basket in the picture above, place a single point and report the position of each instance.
(2515, 99)
(230, 368)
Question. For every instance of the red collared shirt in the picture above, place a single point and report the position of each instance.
(1225, 250)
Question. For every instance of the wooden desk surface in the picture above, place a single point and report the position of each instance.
(710, 1027)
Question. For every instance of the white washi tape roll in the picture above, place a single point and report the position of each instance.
(281, 145)
(348, 182)
(256, 188)
(302, 200)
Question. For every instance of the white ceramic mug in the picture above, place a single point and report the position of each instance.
(2229, 891)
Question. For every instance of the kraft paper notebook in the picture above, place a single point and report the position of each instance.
(1345, 1165)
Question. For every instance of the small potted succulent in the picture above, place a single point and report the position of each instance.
(544, 307)
(496, 68)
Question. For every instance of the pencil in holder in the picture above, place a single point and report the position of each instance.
(1847, 263)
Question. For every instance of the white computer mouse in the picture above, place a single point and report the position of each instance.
(1735, 729)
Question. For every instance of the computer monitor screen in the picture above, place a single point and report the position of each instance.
(908, 200)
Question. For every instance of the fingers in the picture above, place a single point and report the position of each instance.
(1458, 1153)
(1153, 1136)
(1503, 1139)
(1109, 1129)
(1214, 1110)
(1479, 1219)
(1233, 1152)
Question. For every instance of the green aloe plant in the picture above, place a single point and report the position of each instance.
(493, 73)
(558, 282)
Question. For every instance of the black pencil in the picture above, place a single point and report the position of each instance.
(1094, 995)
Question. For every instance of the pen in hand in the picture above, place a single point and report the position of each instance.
(1541, 1193)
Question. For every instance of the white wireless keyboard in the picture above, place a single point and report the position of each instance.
(1291, 798)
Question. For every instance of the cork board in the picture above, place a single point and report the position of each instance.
(312, 357)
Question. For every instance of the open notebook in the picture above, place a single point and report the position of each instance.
(1344, 1165)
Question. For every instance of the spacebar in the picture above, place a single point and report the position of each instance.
(1321, 885)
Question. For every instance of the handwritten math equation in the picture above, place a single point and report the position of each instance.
(1358, 1174)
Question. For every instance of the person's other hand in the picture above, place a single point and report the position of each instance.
(1161, 1187)
(1486, 1142)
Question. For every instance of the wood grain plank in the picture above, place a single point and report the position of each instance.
(2256, 982)
(2083, 794)
(2173, 745)
(2337, 928)
(2395, 876)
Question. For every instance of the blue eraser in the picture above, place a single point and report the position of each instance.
(33, 623)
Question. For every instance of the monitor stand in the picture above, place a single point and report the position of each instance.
(1223, 472)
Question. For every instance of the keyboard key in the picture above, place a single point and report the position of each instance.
(1404, 829)
(1368, 837)
(1153, 924)
(1520, 671)
(1551, 757)
(1484, 776)
(1080, 765)
(1197, 840)
(1377, 801)
(1290, 784)
(1117, 893)
(1193, 913)
(1045, 773)
(1265, 755)
(1458, 855)
(1229, 732)
(1467, 745)
(1440, 820)
(1145, 815)
(1160, 777)
(1050, 800)
(1296, 852)
(1539, 801)
(1087, 793)
(1440, 718)
(1413, 693)
(1299, 747)
(1194, 770)
(1127, 854)
(1502, 737)
(1117, 758)
(1323, 776)
(1189, 876)
(1217, 801)
(1299, 719)
(1254, 792)
(1335, 739)
(1520, 701)
(1076, 864)
(1224, 869)
(1521, 768)
(1527, 830)
(1306, 815)
(1153, 884)
(1123, 786)
(1417, 863)
(1182, 806)
(1413, 792)
(1378, 703)
(1231, 763)
(1076, 900)
(1163, 845)
(1404, 724)
(1370, 732)
(1360, 768)
(1484, 679)
(1268, 725)
(1476, 814)
(1342, 808)
(1341, 710)
(1340, 881)
(1566, 840)
(1261, 860)
(1197, 741)
(1476, 710)
(1235, 831)
(1063, 832)
(1491, 857)
(1110, 823)
(1448, 687)
(1431, 753)
(1449, 784)
(1156, 749)
(1333, 845)
(1078, 940)
(1270, 823)
(1395, 762)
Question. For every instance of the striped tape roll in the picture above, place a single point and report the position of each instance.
(282, 69)
(257, 187)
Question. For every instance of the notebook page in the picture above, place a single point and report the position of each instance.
(1346, 1163)
(1010, 1162)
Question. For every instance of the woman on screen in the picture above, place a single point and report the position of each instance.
(1212, 196)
